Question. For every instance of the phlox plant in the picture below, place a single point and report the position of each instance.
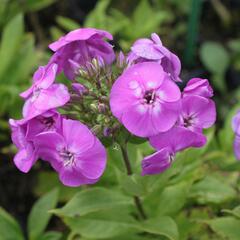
(109, 99)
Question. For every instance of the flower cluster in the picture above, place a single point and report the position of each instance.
(65, 125)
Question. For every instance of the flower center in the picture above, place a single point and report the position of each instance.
(188, 121)
(48, 122)
(149, 97)
(67, 157)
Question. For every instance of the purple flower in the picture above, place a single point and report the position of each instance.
(168, 144)
(43, 78)
(236, 129)
(157, 162)
(79, 47)
(145, 100)
(42, 100)
(76, 154)
(197, 113)
(153, 50)
(24, 132)
(198, 86)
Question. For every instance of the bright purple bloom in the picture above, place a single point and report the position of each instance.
(79, 47)
(198, 86)
(197, 113)
(236, 129)
(153, 50)
(236, 124)
(145, 100)
(43, 78)
(168, 144)
(42, 100)
(157, 162)
(76, 154)
(24, 132)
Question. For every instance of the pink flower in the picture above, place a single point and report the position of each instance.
(168, 144)
(24, 132)
(198, 86)
(76, 154)
(79, 47)
(236, 129)
(153, 50)
(145, 100)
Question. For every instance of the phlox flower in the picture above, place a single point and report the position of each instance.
(236, 129)
(25, 131)
(145, 100)
(153, 50)
(79, 47)
(76, 154)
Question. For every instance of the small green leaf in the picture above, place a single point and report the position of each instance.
(51, 236)
(103, 224)
(214, 57)
(163, 226)
(39, 215)
(212, 190)
(9, 228)
(11, 39)
(92, 200)
(174, 197)
(235, 212)
(67, 23)
(33, 5)
(226, 227)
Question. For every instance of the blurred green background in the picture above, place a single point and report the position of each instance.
(206, 37)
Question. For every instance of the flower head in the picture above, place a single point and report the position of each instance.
(153, 50)
(76, 154)
(145, 100)
(79, 47)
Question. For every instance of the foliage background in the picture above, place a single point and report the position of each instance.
(198, 198)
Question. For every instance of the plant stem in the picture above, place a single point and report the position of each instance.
(128, 166)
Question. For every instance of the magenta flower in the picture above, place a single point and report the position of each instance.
(76, 154)
(198, 86)
(153, 50)
(197, 113)
(236, 129)
(79, 47)
(145, 100)
(168, 144)
(43, 78)
(24, 132)
(42, 100)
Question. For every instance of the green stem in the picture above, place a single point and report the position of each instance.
(128, 166)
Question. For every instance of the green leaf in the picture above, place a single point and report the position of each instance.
(174, 197)
(212, 190)
(92, 200)
(235, 212)
(39, 215)
(33, 5)
(103, 224)
(9, 228)
(67, 23)
(11, 39)
(214, 57)
(226, 227)
(163, 226)
(51, 236)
